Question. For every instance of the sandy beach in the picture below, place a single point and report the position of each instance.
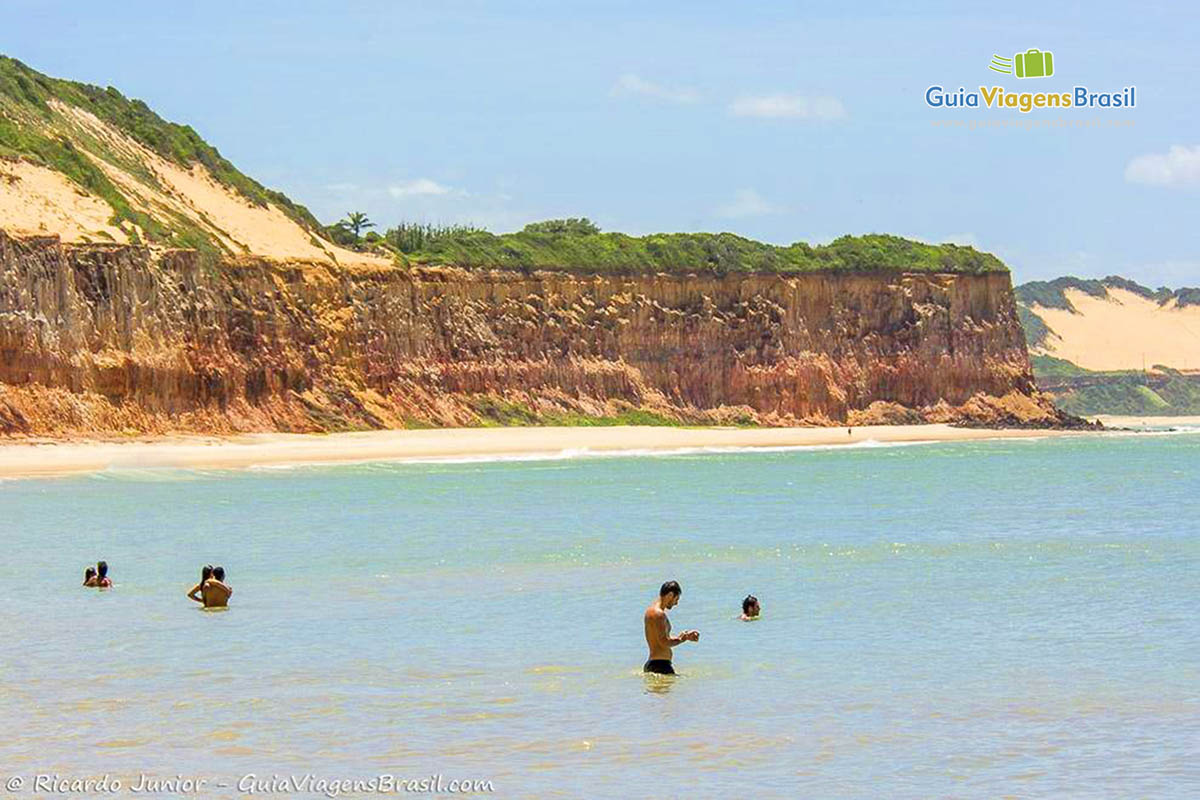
(43, 458)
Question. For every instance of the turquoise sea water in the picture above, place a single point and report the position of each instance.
(1001, 618)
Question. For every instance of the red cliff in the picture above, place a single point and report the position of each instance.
(115, 339)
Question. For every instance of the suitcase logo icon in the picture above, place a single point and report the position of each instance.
(1033, 63)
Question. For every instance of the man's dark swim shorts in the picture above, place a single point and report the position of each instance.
(659, 666)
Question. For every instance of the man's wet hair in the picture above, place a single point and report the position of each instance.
(750, 600)
(219, 573)
(101, 569)
(670, 587)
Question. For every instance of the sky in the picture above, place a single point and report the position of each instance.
(778, 121)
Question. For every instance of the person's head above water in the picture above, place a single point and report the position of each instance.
(89, 574)
(218, 573)
(205, 572)
(669, 594)
(750, 606)
(101, 569)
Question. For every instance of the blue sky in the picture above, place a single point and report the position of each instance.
(778, 121)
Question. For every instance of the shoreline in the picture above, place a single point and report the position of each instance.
(47, 458)
(1126, 421)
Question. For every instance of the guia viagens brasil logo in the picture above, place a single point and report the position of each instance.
(1033, 63)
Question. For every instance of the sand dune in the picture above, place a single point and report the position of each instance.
(38, 200)
(1123, 331)
(193, 193)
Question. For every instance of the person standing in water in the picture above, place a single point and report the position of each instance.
(102, 579)
(197, 592)
(215, 591)
(658, 630)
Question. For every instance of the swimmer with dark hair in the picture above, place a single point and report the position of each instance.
(215, 591)
(658, 630)
(197, 591)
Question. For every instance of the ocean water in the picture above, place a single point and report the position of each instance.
(999, 618)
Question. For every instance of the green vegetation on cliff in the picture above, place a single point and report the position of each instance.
(577, 246)
(1162, 392)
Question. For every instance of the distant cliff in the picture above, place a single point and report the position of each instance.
(118, 339)
(1112, 346)
(1111, 324)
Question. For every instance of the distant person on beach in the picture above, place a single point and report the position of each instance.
(89, 577)
(102, 579)
(197, 592)
(658, 630)
(750, 608)
(215, 591)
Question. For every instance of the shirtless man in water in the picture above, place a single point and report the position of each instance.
(214, 590)
(658, 630)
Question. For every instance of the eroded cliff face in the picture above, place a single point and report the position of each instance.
(119, 340)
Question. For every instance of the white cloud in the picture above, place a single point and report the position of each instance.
(788, 106)
(629, 84)
(747, 203)
(418, 187)
(342, 188)
(1179, 166)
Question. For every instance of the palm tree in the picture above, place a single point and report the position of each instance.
(357, 222)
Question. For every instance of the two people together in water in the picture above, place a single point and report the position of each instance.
(658, 627)
(97, 577)
(211, 591)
